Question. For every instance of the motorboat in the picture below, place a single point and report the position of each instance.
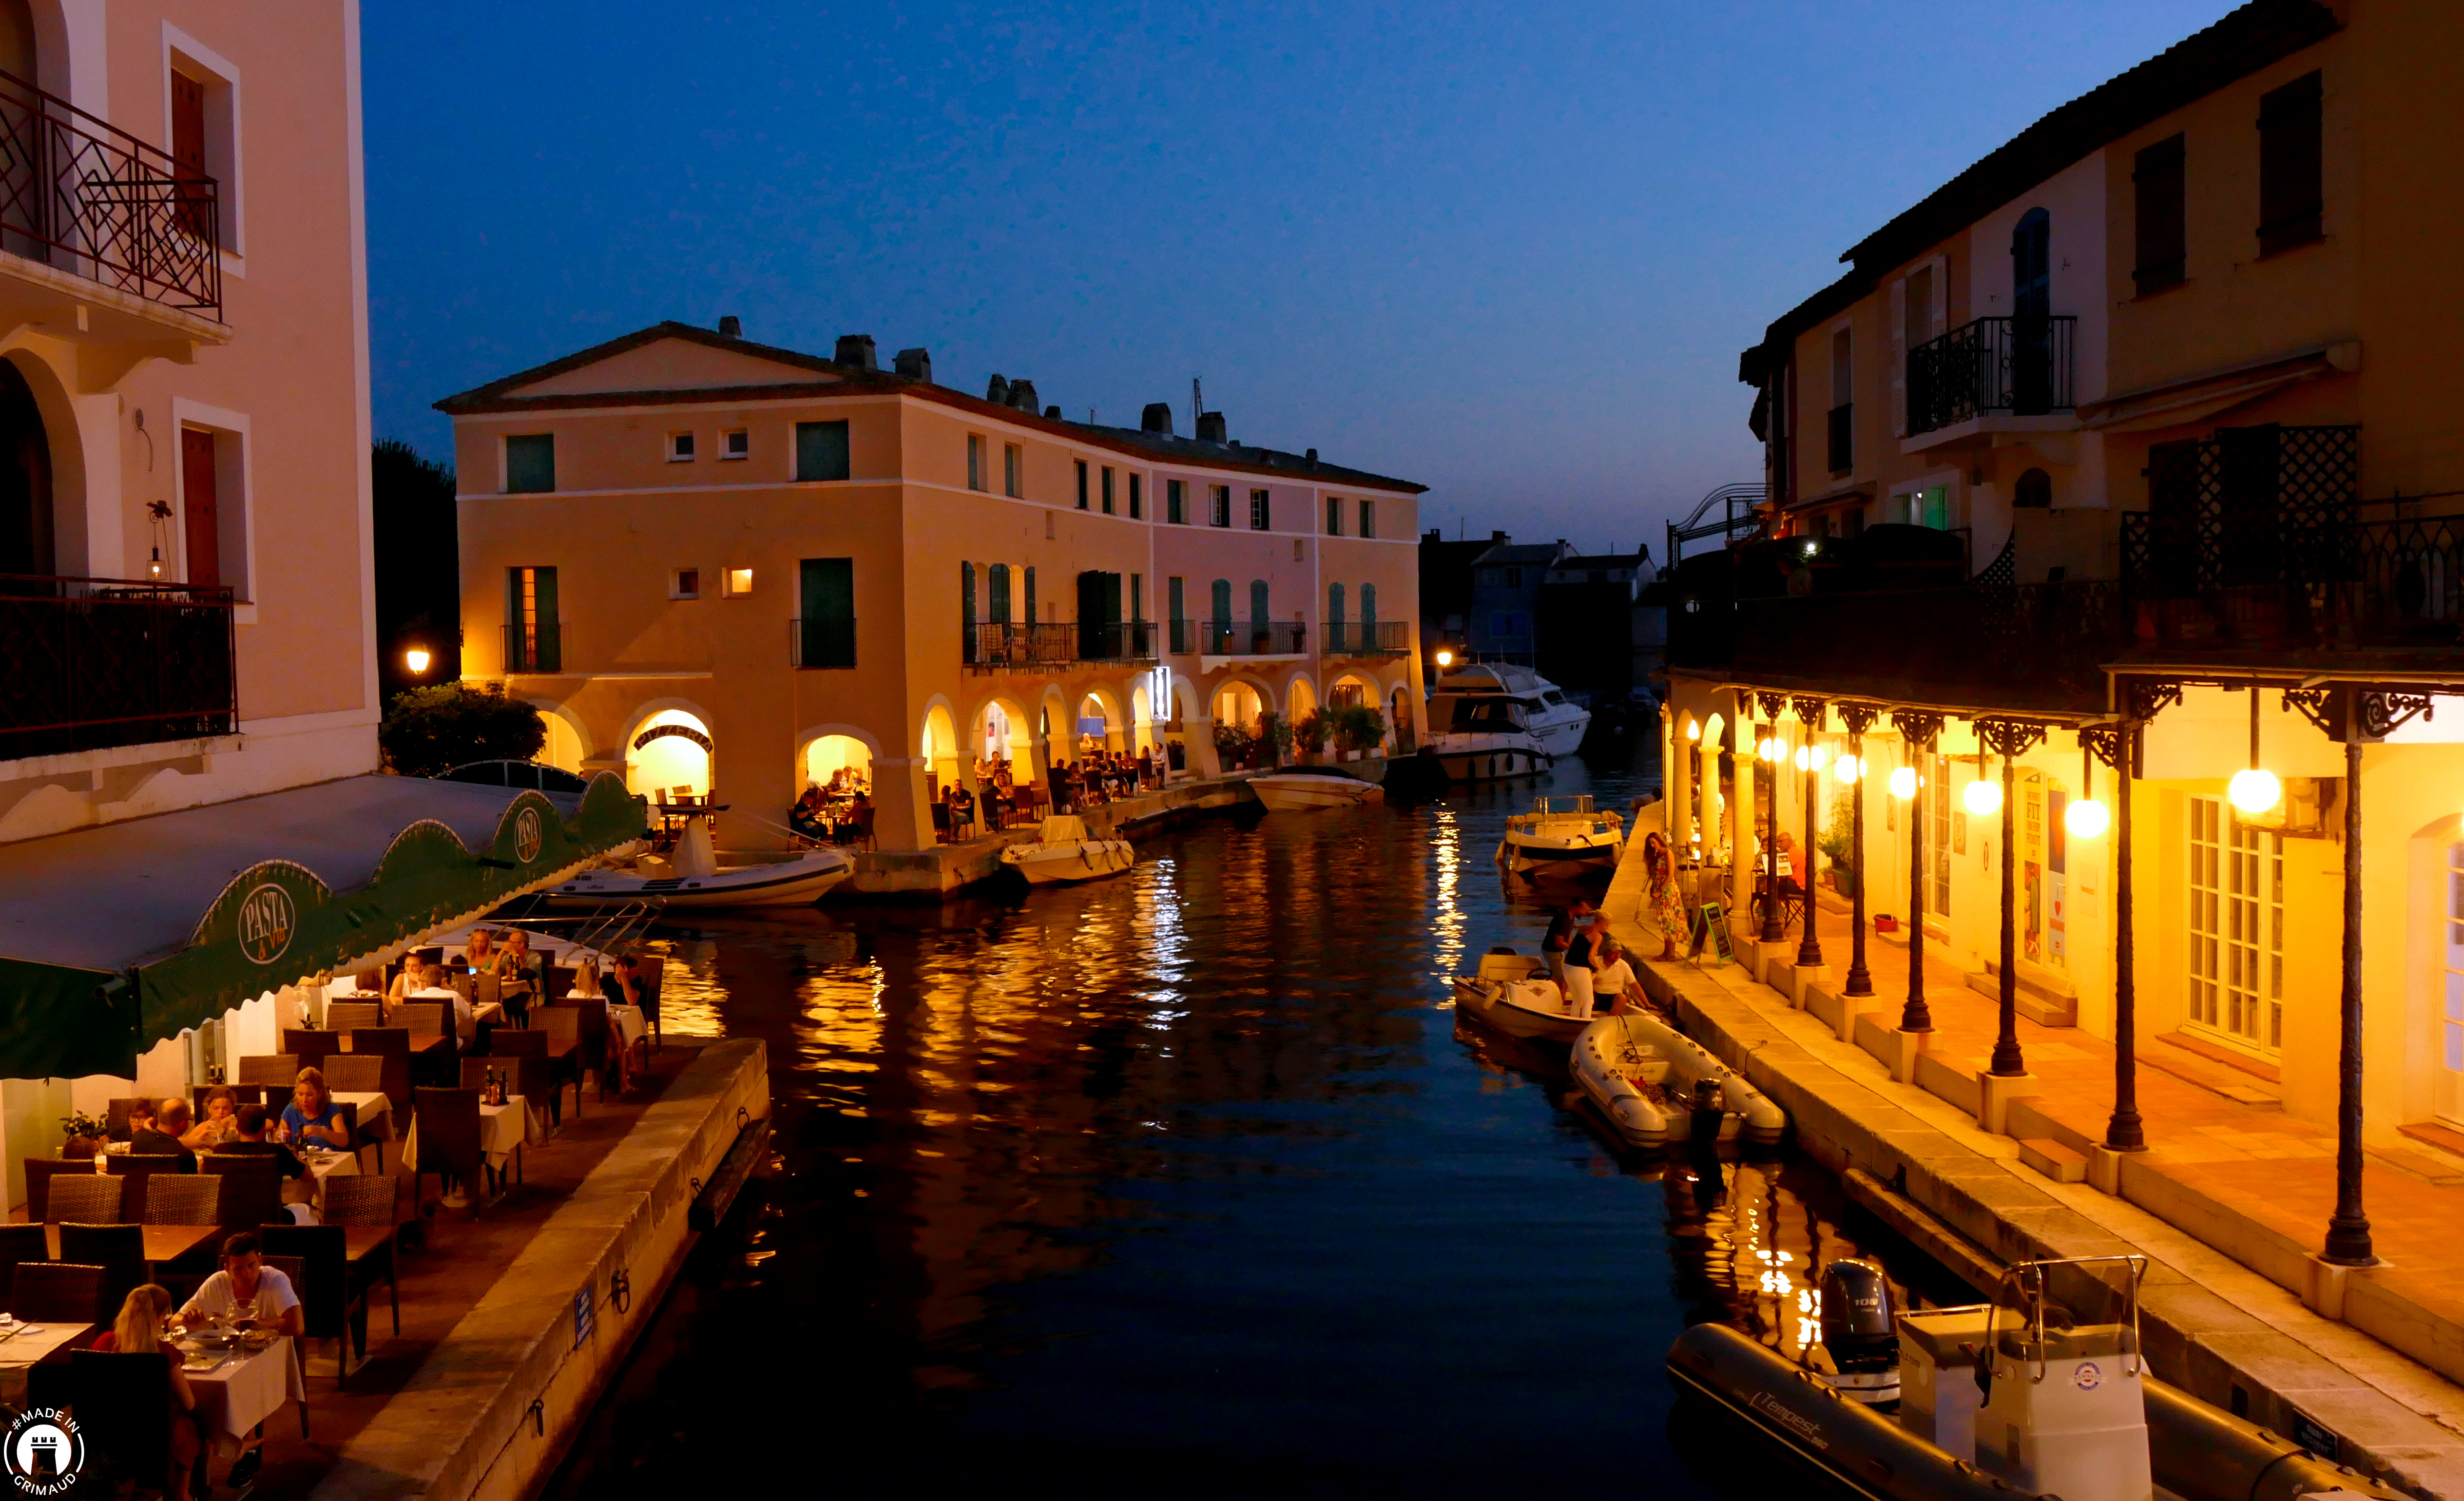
(1562, 836)
(696, 879)
(1300, 791)
(1063, 851)
(1649, 1081)
(1493, 720)
(1996, 1401)
(1513, 993)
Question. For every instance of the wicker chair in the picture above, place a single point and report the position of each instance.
(310, 1046)
(364, 1074)
(139, 1169)
(326, 1303)
(364, 1199)
(535, 1074)
(449, 1140)
(184, 1199)
(296, 1268)
(562, 1024)
(39, 1173)
(251, 1189)
(350, 1016)
(275, 1070)
(19, 1243)
(119, 1250)
(85, 1197)
(59, 1292)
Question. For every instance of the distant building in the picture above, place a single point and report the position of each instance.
(1446, 596)
(1584, 621)
(1505, 599)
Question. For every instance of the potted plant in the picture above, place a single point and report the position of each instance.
(85, 1134)
(1838, 846)
(1233, 746)
(1311, 732)
(1359, 728)
(1275, 735)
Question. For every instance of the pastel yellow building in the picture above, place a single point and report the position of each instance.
(732, 568)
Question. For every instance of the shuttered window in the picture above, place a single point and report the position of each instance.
(2157, 179)
(1176, 501)
(826, 628)
(2290, 191)
(530, 463)
(822, 451)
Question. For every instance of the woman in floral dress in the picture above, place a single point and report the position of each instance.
(1660, 865)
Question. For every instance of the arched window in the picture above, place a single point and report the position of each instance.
(2036, 488)
(26, 539)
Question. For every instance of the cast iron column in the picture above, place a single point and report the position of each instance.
(1772, 929)
(1858, 717)
(2348, 1229)
(1809, 947)
(2007, 1061)
(1916, 731)
(2119, 749)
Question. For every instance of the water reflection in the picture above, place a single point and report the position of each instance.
(1189, 1178)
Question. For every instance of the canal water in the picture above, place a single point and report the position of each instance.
(1190, 1182)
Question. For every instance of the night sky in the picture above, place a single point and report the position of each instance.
(1511, 252)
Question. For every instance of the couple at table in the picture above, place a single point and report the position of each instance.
(245, 1292)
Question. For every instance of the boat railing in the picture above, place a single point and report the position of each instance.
(2027, 1279)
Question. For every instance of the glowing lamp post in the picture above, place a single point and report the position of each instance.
(416, 660)
(1918, 730)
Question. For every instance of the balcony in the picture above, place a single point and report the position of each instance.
(2038, 646)
(100, 663)
(1994, 368)
(1240, 637)
(822, 642)
(1052, 646)
(536, 648)
(1368, 637)
(94, 208)
(1116, 641)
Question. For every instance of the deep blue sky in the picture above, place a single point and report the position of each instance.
(1509, 251)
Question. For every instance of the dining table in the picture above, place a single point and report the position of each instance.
(163, 1243)
(242, 1388)
(503, 1130)
(25, 1346)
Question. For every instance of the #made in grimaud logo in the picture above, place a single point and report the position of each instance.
(527, 836)
(267, 917)
(43, 1452)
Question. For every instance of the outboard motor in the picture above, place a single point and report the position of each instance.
(1859, 1335)
(1708, 1114)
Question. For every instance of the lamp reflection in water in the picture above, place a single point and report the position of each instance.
(1447, 921)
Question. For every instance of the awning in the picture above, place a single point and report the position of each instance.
(114, 938)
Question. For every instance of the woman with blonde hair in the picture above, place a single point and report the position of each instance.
(312, 1117)
(137, 1330)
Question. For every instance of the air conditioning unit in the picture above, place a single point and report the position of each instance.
(2312, 807)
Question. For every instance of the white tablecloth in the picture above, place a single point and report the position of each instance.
(322, 1166)
(20, 1351)
(629, 1024)
(466, 1021)
(371, 1104)
(235, 1397)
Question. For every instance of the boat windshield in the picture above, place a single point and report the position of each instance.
(1484, 715)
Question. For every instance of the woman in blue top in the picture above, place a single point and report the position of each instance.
(313, 1118)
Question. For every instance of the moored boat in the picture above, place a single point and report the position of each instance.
(1300, 791)
(1063, 853)
(1513, 993)
(1648, 1080)
(697, 880)
(1562, 837)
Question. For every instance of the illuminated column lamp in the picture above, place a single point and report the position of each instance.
(2085, 817)
(2252, 789)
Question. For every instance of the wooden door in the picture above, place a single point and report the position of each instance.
(199, 511)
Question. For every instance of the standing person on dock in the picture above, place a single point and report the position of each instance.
(1561, 936)
(1659, 866)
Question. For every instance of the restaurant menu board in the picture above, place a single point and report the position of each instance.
(1712, 928)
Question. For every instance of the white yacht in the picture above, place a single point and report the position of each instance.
(1563, 836)
(1493, 720)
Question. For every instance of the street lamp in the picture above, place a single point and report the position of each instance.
(1809, 758)
(2086, 817)
(1849, 768)
(1445, 658)
(1982, 798)
(1904, 783)
(2253, 790)
(416, 659)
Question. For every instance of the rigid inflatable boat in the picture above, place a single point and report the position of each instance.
(1513, 993)
(1997, 1401)
(1646, 1076)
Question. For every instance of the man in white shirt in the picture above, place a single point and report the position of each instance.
(1613, 978)
(246, 1287)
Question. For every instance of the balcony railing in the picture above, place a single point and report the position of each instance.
(2018, 367)
(97, 663)
(81, 195)
(1116, 641)
(1042, 646)
(826, 641)
(2035, 646)
(1368, 637)
(538, 647)
(1246, 637)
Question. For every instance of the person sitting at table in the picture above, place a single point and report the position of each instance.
(805, 817)
(312, 1117)
(140, 1328)
(850, 824)
(518, 976)
(414, 977)
(962, 812)
(249, 1140)
(480, 953)
(161, 1136)
(245, 1290)
(216, 1126)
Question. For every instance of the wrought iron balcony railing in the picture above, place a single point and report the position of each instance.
(820, 642)
(1368, 637)
(2018, 367)
(1116, 641)
(2032, 646)
(1250, 637)
(81, 195)
(98, 663)
(538, 647)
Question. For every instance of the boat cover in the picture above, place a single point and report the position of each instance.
(114, 938)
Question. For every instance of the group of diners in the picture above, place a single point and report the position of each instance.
(1587, 963)
(839, 812)
(1100, 776)
(171, 1129)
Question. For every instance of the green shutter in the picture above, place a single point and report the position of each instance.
(827, 585)
(551, 648)
(530, 463)
(967, 611)
(1259, 610)
(822, 451)
(1369, 607)
(998, 614)
(1221, 590)
(1030, 595)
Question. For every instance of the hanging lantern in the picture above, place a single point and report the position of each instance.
(2253, 790)
(1849, 768)
(2086, 817)
(1904, 783)
(1982, 797)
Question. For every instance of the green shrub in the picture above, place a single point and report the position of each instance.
(1312, 730)
(430, 729)
(1359, 727)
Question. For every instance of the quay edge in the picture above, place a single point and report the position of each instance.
(462, 1427)
(2196, 1338)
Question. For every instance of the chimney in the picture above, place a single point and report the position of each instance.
(1022, 395)
(1311, 456)
(1157, 418)
(731, 327)
(916, 364)
(998, 392)
(1499, 536)
(1210, 427)
(856, 350)
(1054, 412)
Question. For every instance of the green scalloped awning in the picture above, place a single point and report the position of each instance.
(115, 939)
